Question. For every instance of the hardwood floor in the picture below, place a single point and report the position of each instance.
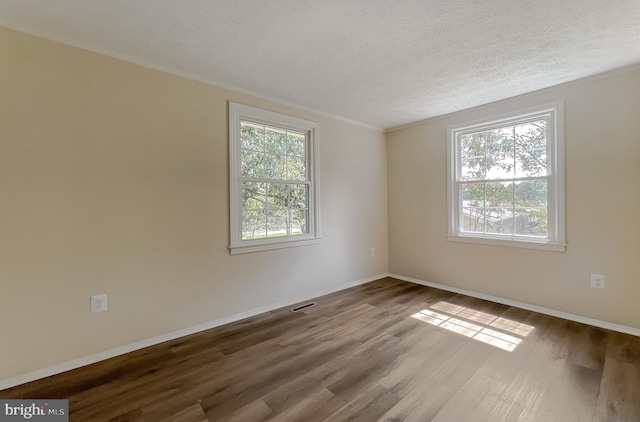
(369, 353)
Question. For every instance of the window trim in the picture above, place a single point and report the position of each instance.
(237, 113)
(555, 187)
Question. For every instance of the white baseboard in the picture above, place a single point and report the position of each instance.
(107, 354)
(552, 312)
(87, 360)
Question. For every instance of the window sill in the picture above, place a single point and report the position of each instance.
(235, 250)
(513, 243)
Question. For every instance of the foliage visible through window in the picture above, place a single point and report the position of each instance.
(504, 185)
(274, 181)
(273, 193)
(506, 180)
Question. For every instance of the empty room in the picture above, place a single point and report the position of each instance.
(320, 210)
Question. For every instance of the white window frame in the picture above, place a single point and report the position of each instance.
(555, 241)
(237, 114)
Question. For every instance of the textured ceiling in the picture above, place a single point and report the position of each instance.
(380, 62)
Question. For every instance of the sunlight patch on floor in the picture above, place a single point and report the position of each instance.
(478, 325)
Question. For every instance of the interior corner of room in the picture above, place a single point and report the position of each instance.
(114, 179)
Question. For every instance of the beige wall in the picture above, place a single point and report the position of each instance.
(114, 179)
(602, 147)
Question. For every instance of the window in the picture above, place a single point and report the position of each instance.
(273, 180)
(506, 180)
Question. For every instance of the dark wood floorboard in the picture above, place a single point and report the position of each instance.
(384, 351)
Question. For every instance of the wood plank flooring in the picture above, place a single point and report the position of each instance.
(360, 355)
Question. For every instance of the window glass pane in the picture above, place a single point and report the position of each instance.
(499, 207)
(253, 216)
(531, 149)
(252, 136)
(254, 195)
(296, 143)
(275, 141)
(472, 194)
(251, 163)
(500, 153)
(532, 193)
(296, 168)
(472, 156)
(298, 196)
(254, 224)
(473, 219)
(531, 135)
(472, 145)
(275, 166)
(277, 222)
(532, 222)
(499, 194)
(531, 162)
(499, 220)
(277, 194)
(473, 168)
(299, 221)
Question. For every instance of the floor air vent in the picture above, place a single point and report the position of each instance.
(301, 307)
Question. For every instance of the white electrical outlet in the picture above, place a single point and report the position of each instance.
(373, 251)
(99, 303)
(597, 281)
